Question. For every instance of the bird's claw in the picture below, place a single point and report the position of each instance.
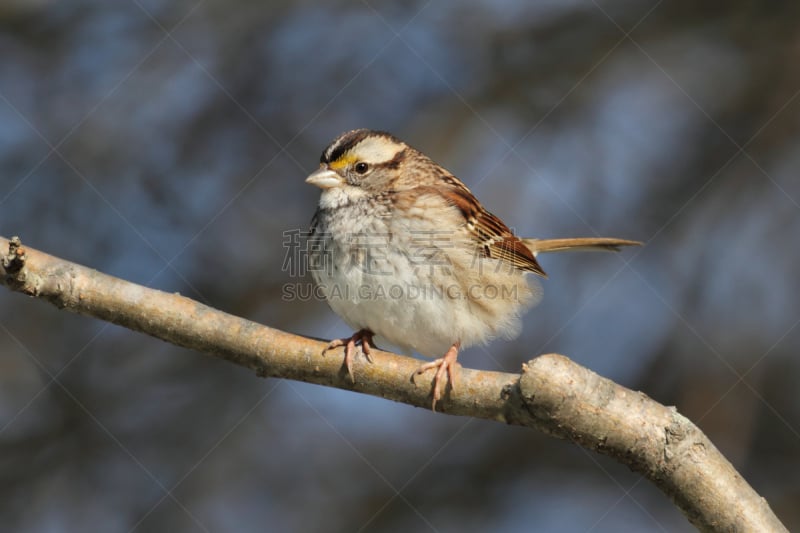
(363, 337)
(443, 365)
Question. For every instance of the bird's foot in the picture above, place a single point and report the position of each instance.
(443, 365)
(363, 337)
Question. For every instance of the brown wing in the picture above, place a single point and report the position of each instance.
(492, 236)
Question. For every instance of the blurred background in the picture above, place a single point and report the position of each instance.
(167, 143)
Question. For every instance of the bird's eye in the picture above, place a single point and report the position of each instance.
(361, 167)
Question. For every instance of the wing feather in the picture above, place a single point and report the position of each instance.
(493, 238)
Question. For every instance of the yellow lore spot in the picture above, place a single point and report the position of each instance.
(342, 162)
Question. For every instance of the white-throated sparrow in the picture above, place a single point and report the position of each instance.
(402, 249)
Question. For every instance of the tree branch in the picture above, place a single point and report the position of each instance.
(552, 394)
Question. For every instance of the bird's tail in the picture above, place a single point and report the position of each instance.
(577, 244)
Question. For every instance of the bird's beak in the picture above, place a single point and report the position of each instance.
(325, 178)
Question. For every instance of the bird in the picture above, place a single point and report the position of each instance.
(401, 249)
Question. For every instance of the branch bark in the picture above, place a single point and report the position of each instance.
(552, 393)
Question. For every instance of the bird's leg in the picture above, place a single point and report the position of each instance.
(362, 336)
(443, 365)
